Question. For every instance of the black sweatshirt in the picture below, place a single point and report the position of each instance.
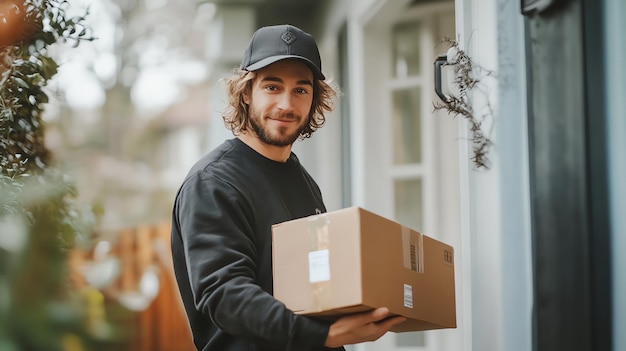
(222, 250)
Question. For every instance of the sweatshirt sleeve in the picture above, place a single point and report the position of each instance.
(220, 252)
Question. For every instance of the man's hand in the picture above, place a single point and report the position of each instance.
(361, 327)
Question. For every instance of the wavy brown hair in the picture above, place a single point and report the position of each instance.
(236, 112)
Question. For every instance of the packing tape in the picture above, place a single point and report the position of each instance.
(319, 260)
(412, 250)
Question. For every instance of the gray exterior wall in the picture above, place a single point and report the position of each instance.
(614, 26)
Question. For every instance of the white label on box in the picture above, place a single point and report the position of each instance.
(408, 296)
(319, 266)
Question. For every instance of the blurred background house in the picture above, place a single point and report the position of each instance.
(537, 234)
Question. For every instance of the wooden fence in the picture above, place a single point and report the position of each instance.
(148, 322)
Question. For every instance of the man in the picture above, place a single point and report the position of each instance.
(224, 210)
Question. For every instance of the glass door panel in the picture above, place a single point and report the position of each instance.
(408, 202)
(407, 126)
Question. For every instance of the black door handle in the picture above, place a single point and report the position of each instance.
(440, 61)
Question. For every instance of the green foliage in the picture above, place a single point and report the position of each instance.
(38, 309)
(25, 71)
(40, 220)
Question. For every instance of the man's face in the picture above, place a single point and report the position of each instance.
(282, 94)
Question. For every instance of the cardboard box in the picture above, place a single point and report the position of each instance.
(353, 260)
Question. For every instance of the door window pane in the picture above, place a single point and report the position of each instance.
(408, 203)
(410, 339)
(406, 119)
(406, 53)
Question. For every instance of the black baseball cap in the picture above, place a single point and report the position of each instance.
(274, 43)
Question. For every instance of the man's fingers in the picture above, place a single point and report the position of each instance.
(373, 316)
(361, 327)
(379, 314)
(377, 329)
(390, 322)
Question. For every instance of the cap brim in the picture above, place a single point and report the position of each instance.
(269, 60)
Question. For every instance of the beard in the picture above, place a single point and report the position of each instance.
(278, 137)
